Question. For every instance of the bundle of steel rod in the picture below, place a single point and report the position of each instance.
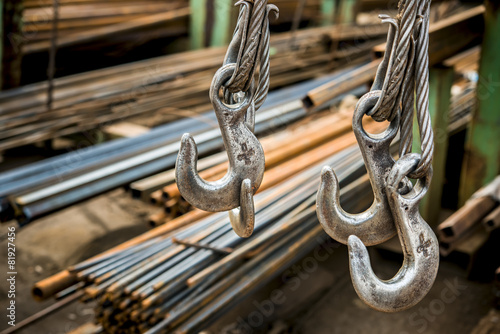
(137, 286)
(165, 85)
(478, 217)
(35, 190)
(185, 274)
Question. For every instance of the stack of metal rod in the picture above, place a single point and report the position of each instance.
(287, 153)
(96, 24)
(138, 286)
(184, 275)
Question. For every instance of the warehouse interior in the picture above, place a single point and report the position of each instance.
(253, 166)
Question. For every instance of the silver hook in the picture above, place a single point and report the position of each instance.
(420, 248)
(246, 161)
(375, 225)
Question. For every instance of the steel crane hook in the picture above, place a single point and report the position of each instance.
(246, 161)
(420, 248)
(375, 225)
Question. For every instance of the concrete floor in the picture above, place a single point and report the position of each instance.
(325, 302)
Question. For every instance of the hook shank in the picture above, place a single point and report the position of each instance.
(245, 153)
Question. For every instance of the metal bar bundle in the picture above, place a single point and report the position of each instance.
(154, 285)
(43, 187)
(141, 283)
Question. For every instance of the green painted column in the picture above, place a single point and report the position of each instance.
(482, 151)
(198, 23)
(440, 81)
(328, 10)
(349, 11)
(223, 22)
(2, 38)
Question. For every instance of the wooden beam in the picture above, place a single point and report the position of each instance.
(482, 154)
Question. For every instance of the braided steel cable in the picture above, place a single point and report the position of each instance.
(388, 107)
(250, 51)
(244, 74)
(408, 108)
(265, 66)
(422, 93)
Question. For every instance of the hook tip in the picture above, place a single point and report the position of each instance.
(188, 153)
(356, 247)
(243, 218)
(329, 181)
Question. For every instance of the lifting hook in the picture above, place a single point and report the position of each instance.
(420, 248)
(375, 225)
(246, 161)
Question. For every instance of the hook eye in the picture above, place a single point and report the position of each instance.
(364, 106)
(220, 79)
(402, 168)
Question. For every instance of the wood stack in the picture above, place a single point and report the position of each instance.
(174, 86)
(84, 22)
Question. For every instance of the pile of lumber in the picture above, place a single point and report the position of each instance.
(89, 21)
(174, 86)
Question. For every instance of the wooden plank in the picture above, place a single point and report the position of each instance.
(482, 153)
(91, 35)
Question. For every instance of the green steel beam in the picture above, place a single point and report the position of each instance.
(328, 10)
(223, 22)
(440, 81)
(198, 23)
(349, 11)
(2, 39)
(482, 151)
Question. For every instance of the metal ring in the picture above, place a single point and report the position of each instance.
(221, 77)
(364, 106)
